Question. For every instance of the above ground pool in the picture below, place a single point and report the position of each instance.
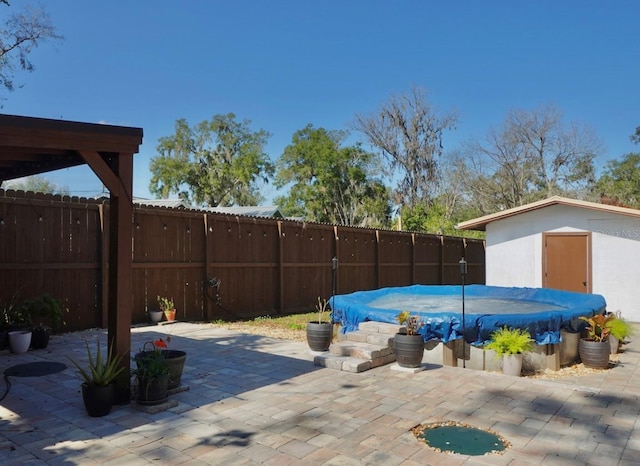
(542, 311)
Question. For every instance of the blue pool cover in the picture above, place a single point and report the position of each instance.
(542, 311)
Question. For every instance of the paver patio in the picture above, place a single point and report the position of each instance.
(259, 400)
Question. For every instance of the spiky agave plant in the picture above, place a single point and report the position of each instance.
(100, 371)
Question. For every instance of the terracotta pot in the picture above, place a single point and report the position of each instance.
(170, 315)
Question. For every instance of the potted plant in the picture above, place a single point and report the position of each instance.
(155, 315)
(168, 308)
(619, 330)
(99, 381)
(320, 332)
(17, 323)
(408, 344)
(152, 374)
(595, 348)
(175, 359)
(45, 313)
(510, 344)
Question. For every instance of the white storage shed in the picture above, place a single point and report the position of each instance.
(566, 244)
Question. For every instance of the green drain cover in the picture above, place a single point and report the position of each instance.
(456, 437)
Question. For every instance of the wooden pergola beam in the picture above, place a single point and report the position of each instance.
(31, 146)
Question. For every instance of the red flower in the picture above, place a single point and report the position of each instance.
(160, 343)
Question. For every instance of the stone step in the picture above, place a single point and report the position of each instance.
(357, 349)
(370, 346)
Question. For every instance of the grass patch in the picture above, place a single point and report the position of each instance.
(291, 322)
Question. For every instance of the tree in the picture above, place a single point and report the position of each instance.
(215, 163)
(533, 155)
(22, 32)
(620, 181)
(330, 182)
(37, 184)
(408, 130)
(635, 137)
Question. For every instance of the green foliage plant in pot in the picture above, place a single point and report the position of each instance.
(510, 344)
(152, 374)
(320, 332)
(619, 331)
(99, 380)
(408, 343)
(46, 315)
(595, 348)
(175, 359)
(167, 307)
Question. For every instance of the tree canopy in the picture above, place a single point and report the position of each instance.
(23, 31)
(215, 163)
(408, 132)
(329, 182)
(620, 181)
(532, 156)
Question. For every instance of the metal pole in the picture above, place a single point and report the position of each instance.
(463, 273)
(334, 268)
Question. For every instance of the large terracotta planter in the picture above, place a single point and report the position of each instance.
(595, 354)
(98, 399)
(319, 335)
(409, 349)
(170, 315)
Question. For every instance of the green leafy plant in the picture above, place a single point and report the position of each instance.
(410, 323)
(620, 328)
(507, 340)
(165, 304)
(598, 329)
(152, 365)
(45, 307)
(100, 371)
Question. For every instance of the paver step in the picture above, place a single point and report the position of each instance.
(369, 346)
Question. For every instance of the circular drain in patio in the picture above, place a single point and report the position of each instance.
(456, 437)
(34, 369)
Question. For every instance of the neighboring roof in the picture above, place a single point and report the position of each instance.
(173, 203)
(250, 211)
(480, 223)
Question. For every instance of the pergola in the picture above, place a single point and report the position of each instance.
(31, 146)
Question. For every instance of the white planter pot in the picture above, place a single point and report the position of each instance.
(19, 341)
(512, 364)
(155, 316)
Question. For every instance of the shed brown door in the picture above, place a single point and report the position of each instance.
(566, 261)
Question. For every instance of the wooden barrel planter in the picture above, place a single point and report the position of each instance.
(409, 349)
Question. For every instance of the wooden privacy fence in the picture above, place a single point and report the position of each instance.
(214, 266)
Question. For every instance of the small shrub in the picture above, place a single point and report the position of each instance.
(510, 341)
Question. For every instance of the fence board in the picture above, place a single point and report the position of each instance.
(265, 266)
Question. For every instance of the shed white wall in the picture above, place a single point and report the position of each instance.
(514, 252)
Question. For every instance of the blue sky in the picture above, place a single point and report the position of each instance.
(284, 64)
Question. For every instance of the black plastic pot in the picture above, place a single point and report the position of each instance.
(153, 392)
(98, 399)
(40, 337)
